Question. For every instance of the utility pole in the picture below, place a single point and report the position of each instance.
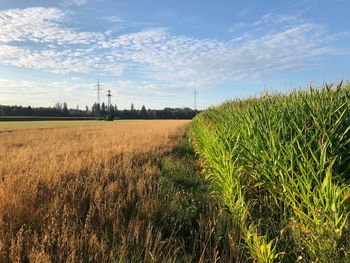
(98, 92)
(109, 95)
(195, 99)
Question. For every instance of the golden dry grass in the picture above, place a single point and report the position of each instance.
(82, 193)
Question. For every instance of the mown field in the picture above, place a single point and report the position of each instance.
(47, 118)
(280, 164)
(20, 125)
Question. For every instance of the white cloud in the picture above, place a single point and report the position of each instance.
(78, 61)
(17, 92)
(114, 19)
(74, 2)
(155, 54)
(238, 26)
(271, 18)
(41, 25)
(189, 61)
(41, 94)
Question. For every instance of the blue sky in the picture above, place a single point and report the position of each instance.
(157, 52)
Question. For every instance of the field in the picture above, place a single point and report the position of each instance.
(19, 125)
(128, 191)
(260, 180)
(280, 164)
(47, 118)
(82, 193)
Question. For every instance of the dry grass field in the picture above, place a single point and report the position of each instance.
(80, 194)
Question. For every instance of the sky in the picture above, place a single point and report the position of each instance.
(156, 53)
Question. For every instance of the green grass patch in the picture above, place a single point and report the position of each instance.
(20, 125)
(47, 118)
(188, 214)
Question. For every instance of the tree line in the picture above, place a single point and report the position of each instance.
(100, 111)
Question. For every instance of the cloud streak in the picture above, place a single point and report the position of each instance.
(155, 54)
(74, 2)
(41, 25)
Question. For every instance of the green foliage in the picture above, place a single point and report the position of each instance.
(187, 214)
(280, 164)
(109, 117)
(259, 248)
(19, 125)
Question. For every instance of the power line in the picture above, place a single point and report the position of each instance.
(98, 92)
(195, 99)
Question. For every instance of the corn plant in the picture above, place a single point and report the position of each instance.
(280, 165)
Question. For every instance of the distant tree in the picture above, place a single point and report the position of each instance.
(111, 111)
(116, 111)
(57, 110)
(58, 106)
(65, 108)
(143, 112)
(103, 109)
(132, 107)
(96, 110)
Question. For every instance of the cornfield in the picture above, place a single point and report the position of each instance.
(280, 165)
